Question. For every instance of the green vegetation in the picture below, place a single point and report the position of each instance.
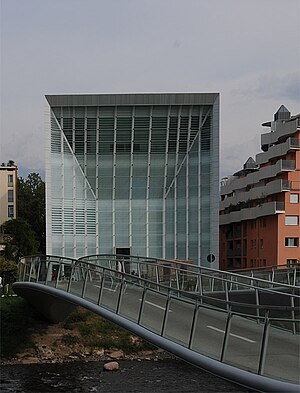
(28, 231)
(98, 332)
(18, 322)
(32, 207)
(22, 241)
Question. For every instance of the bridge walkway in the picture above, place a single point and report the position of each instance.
(171, 305)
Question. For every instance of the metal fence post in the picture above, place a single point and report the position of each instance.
(163, 329)
(193, 327)
(226, 336)
(142, 305)
(264, 344)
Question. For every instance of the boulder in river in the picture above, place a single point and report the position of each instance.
(111, 366)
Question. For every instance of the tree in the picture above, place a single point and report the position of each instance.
(8, 268)
(31, 206)
(23, 241)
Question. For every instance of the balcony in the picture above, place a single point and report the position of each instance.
(282, 129)
(251, 213)
(273, 187)
(295, 143)
(256, 177)
(278, 150)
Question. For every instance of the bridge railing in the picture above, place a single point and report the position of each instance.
(285, 273)
(189, 280)
(263, 278)
(196, 320)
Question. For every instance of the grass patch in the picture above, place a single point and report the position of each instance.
(98, 332)
(69, 339)
(18, 321)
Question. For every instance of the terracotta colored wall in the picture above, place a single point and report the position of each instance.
(264, 251)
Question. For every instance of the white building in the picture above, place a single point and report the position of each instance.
(133, 174)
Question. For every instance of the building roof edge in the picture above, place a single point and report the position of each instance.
(132, 99)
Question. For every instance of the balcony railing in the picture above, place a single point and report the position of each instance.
(291, 184)
(288, 165)
(278, 150)
(235, 183)
(281, 130)
(295, 142)
(273, 187)
(251, 213)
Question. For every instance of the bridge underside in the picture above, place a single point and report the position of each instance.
(56, 304)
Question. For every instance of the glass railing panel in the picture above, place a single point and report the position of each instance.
(93, 286)
(283, 345)
(42, 271)
(209, 332)
(27, 271)
(289, 326)
(179, 321)
(154, 306)
(244, 344)
(218, 281)
(131, 301)
(281, 277)
(33, 269)
(110, 291)
(77, 280)
(206, 284)
(62, 284)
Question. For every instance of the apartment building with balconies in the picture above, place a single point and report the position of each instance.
(260, 204)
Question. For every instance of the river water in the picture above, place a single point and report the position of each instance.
(167, 376)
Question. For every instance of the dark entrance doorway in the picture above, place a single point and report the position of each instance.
(123, 251)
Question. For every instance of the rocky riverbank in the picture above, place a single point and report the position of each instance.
(56, 344)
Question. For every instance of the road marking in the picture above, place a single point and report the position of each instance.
(155, 305)
(106, 289)
(231, 334)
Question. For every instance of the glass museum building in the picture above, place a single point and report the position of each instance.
(133, 174)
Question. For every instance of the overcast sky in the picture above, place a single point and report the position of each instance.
(248, 50)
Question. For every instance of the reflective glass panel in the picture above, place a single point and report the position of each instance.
(179, 321)
(209, 332)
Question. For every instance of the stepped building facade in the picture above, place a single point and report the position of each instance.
(133, 174)
(260, 204)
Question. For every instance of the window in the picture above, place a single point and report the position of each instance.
(261, 243)
(10, 196)
(291, 220)
(291, 241)
(10, 211)
(291, 262)
(263, 222)
(10, 180)
(294, 198)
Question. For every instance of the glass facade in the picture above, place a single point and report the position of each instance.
(133, 171)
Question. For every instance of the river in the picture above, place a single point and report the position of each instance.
(147, 376)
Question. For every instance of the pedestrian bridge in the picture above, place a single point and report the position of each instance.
(238, 326)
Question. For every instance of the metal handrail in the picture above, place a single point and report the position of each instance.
(184, 267)
(191, 295)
